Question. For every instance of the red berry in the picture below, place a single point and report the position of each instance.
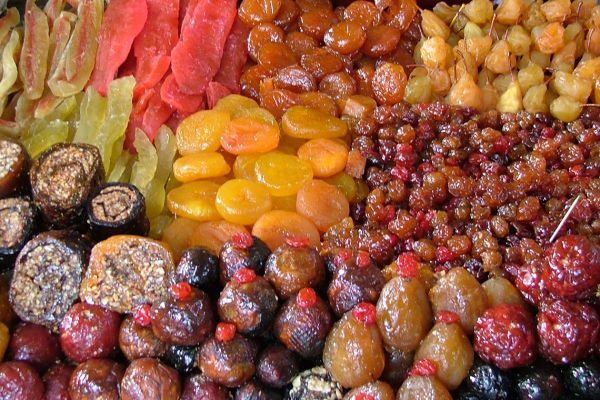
(422, 106)
(297, 241)
(501, 144)
(225, 331)
(242, 240)
(363, 259)
(341, 257)
(391, 238)
(142, 315)
(426, 167)
(407, 265)
(401, 173)
(244, 275)
(181, 290)
(567, 331)
(423, 367)
(363, 396)
(446, 317)
(388, 214)
(307, 297)
(505, 336)
(443, 254)
(548, 132)
(528, 279)
(572, 267)
(404, 148)
(365, 313)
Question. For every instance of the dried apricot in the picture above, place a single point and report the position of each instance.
(324, 204)
(247, 135)
(345, 37)
(327, 157)
(200, 166)
(389, 83)
(194, 200)
(213, 234)
(243, 166)
(242, 201)
(381, 40)
(307, 123)
(283, 174)
(265, 32)
(201, 131)
(253, 12)
(275, 226)
(177, 235)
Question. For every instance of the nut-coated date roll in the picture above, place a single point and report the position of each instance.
(115, 209)
(47, 275)
(14, 165)
(126, 271)
(62, 179)
(17, 216)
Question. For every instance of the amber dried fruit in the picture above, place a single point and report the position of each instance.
(381, 40)
(423, 387)
(253, 12)
(321, 61)
(345, 37)
(500, 291)
(275, 226)
(315, 23)
(389, 83)
(265, 32)
(324, 204)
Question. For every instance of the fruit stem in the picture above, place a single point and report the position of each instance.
(565, 218)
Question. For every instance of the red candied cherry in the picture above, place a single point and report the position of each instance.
(572, 267)
(365, 313)
(225, 331)
(142, 315)
(181, 290)
(244, 275)
(567, 331)
(446, 317)
(363, 259)
(423, 367)
(297, 241)
(407, 265)
(363, 396)
(505, 336)
(426, 167)
(341, 257)
(307, 297)
(242, 240)
(443, 254)
(528, 279)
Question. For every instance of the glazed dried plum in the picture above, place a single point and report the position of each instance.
(254, 391)
(572, 269)
(56, 380)
(148, 378)
(303, 323)
(353, 352)
(353, 284)
(248, 301)
(291, 268)
(397, 365)
(182, 358)
(378, 390)
(89, 331)
(276, 366)
(19, 380)
(138, 341)
(242, 251)
(35, 345)
(184, 318)
(540, 381)
(423, 387)
(458, 291)
(582, 379)
(505, 336)
(315, 384)
(567, 331)
(199, 386)
(98, 378)
(228, 358)
(199, 267)
(488, 382)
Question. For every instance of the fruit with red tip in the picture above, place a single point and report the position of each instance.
(244, 275)
(307, 297)
(225, 331)
(180, 290)
(505, 336)
(297, 241)
(142, 315)
(365, 313)
(446, 317)
(423, 367)
(407, 265)
(242, 240)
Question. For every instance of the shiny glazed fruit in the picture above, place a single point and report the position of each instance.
(327, 157)
(487, 381)
(199, 386)
(35, 345)
(378, 390)
(148, 378)
(324, 204)
(353, 352)
(242, 202)
(450, 349)
(56, 380)
(404, 314)
(194, 200)
(229, 363)
(200, 166)
(276, 366)
(423, 387)
(89, 331)
(248, 136)
(136, 341)
(500, 291)
(505, 336)
(19, 381)
(458, 291)
(97, 378)
(354, 284)
(275, 226)
(307, 123)
(282, 174)
(201, 132)
(242, 251)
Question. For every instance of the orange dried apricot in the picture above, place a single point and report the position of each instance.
(307, 123)
(324, 204)
(247, 135)
(327, 157)
(177, 235)
(200, 166)
(214, 234)
(275, 226)
(194, 200)
(243, 166)
(252, 12)
(265, 32)
(201, 131)
(242, 201)
(283, 174)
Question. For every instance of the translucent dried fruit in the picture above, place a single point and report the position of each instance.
(389, 83)
(324, 204)
(264, 32)
(201, 132)
(243, 166)
(282, 174)
(567, 84)
(200, 166)
(345, 37)
(510, 11)
(319, 101)
(234, 103)
(253, 12)
(321, 61)
(275, 226)
(519, 40)
(432, 25)
(549, 38)
(327, 157)
(529, 76)
(511, 101)
(295, 79)
(500, 60)
(465, 93)
(479, 11)
(247, 136)
(316, 22)
(533, 101)
(418, 90)
(500, 291)
(565, 108)
(434, 53)
(194, 200)
(556, 10)
(307, 123)
(346, 184)
(242, 202)
(381, 40)
(276, 55)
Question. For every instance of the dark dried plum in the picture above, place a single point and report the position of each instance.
(242, 251)
(199, 386)
(182, 358)
(199, 267)
(276, 366)
(582, 379)
(540, 381)
(487, 381)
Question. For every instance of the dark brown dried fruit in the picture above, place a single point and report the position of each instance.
(19, 381)
(148, 378)
(95, 379)
(229, 363)
(137, 341)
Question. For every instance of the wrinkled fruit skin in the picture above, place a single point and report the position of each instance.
(56, 380)
(230, 363)
(582, 379)
(96, 378)
(538, 381)
(199, 386)
(505, 336)
(567, 331)
(148, 378)
(487, 381)
(19, 381)
(572, 267)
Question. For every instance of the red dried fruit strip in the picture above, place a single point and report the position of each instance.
(195, 60)
(33, 64)
(215, 92)
(152, 47)
(53, 8)
(157, 113)
(235, 55)
(116, 38)
(171, 93)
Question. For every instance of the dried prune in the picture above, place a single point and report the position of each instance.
(540, 381)
(505, 336)
(89, 331)
(567, 331)
(582, 379)
(488, 382)
(184, 322)
(199, 386)
(97, 378)
(137, 341)
(56, 380)
(276, 366)
(199, 267)
(148, 378)
(182, 358)
(351, 285)
(35, 345)
(19, 380)
(242, 251)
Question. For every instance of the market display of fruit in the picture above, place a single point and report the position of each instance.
(300, 200)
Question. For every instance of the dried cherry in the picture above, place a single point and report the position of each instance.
(56, 380)
(19, 381)
(35, 345)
